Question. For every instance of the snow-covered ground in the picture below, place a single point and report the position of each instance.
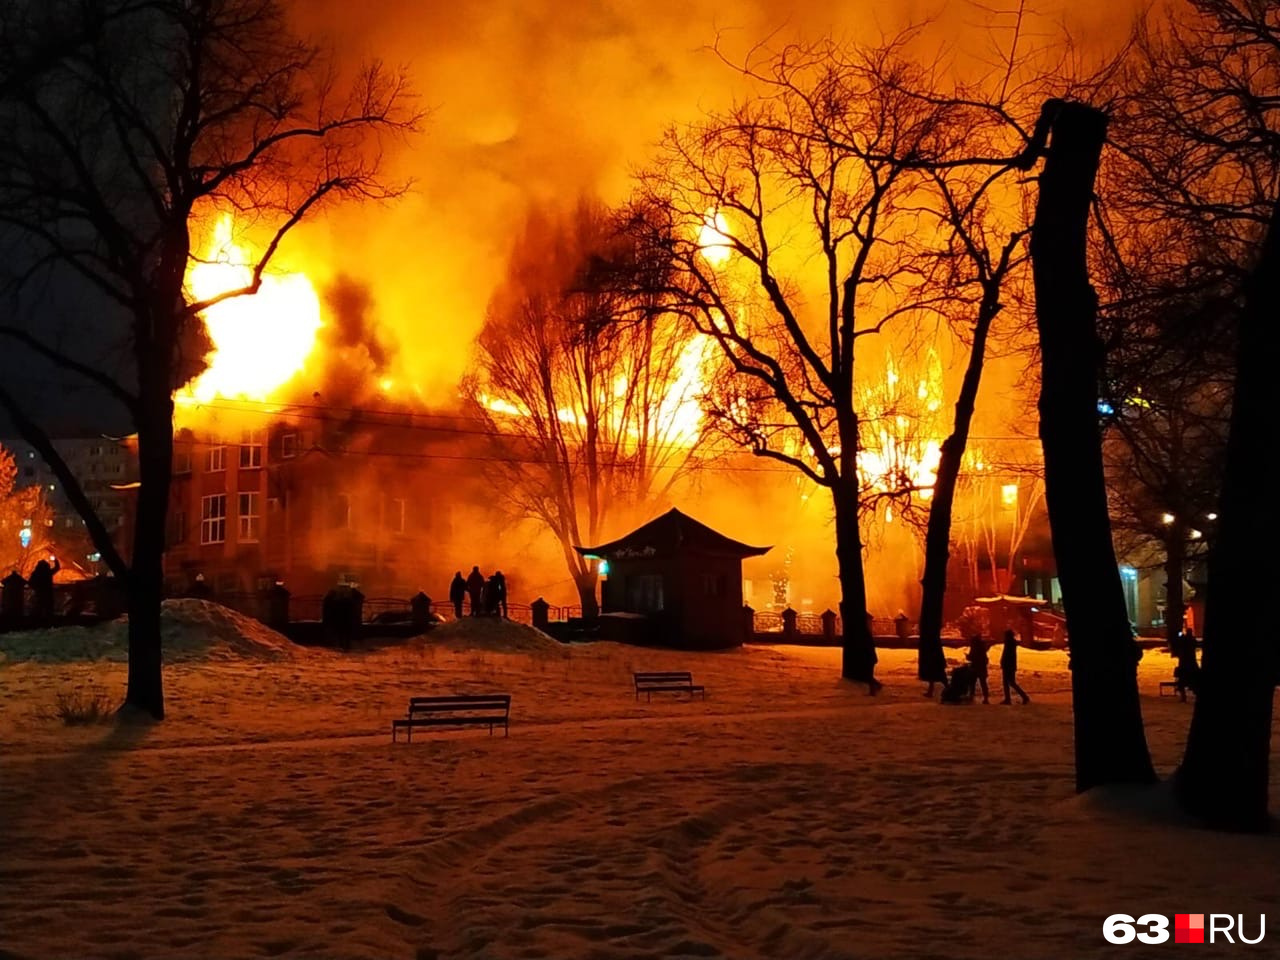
(790, 815)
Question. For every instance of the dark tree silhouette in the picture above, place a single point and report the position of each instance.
(991, 271)
(1198, 130)
(1110, 743)
(1224, 774)
(125, 125)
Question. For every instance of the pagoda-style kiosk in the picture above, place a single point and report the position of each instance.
(673, 582)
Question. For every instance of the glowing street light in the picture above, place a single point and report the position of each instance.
(1167, 519)
(1211, 516)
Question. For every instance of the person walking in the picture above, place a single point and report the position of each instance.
(475, 590)
(1009, 668)
(978, 659)
(457, 593)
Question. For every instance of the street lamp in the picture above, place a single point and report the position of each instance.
(1167, 518)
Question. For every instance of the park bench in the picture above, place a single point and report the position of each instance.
(669, 682)
(486, 710)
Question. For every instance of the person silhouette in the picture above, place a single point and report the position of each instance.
(457, 593)
(499, 583)
(1186, 673)
(978, 659)
(1009, 668)
(475, 590)
(41, 584)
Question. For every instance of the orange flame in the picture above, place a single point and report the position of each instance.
(260, 341)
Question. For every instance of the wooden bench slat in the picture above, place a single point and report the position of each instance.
(459, 710)
(667, 681)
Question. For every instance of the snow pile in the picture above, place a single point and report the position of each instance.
(497, 635)
(190, 630)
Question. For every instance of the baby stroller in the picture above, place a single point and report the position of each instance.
(961, 687)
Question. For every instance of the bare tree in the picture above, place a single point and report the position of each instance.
(1163, 451)
(809, 217)
(1199, 129)
(590, 390)
(116, 145)
(26, 522)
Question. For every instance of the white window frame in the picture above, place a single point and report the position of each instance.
(213, 519)
(248, 516)
(215, 459)
(251, 449)
(288, 446)
(399, 515)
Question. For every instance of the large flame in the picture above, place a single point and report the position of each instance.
(900, 449)
(260, 341)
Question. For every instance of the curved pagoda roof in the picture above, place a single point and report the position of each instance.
(670, 534)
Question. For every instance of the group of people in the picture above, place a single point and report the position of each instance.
(488, 596)
(965, 679)
(40, 583)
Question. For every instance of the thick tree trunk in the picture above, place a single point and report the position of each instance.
(1174, 608)
(858, 657)
(145, 690)
(931, 662)
(1110, 743)
(1224, 773)
(586, 584)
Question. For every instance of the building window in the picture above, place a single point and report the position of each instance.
(181, 462)
(250, 449)
(249, 518)
(216, 459)
(95, 451)
(1009, 494)
(341, 512)
(273, 505)
(398, 515)
(213, 518)
(644, 594)
(288, 446)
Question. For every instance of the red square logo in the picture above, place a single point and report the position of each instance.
(1188, 928)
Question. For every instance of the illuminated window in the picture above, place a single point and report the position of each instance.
(213, 518)
(248, 518)
(215, 459)
(1009, 494)
(251, 449)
